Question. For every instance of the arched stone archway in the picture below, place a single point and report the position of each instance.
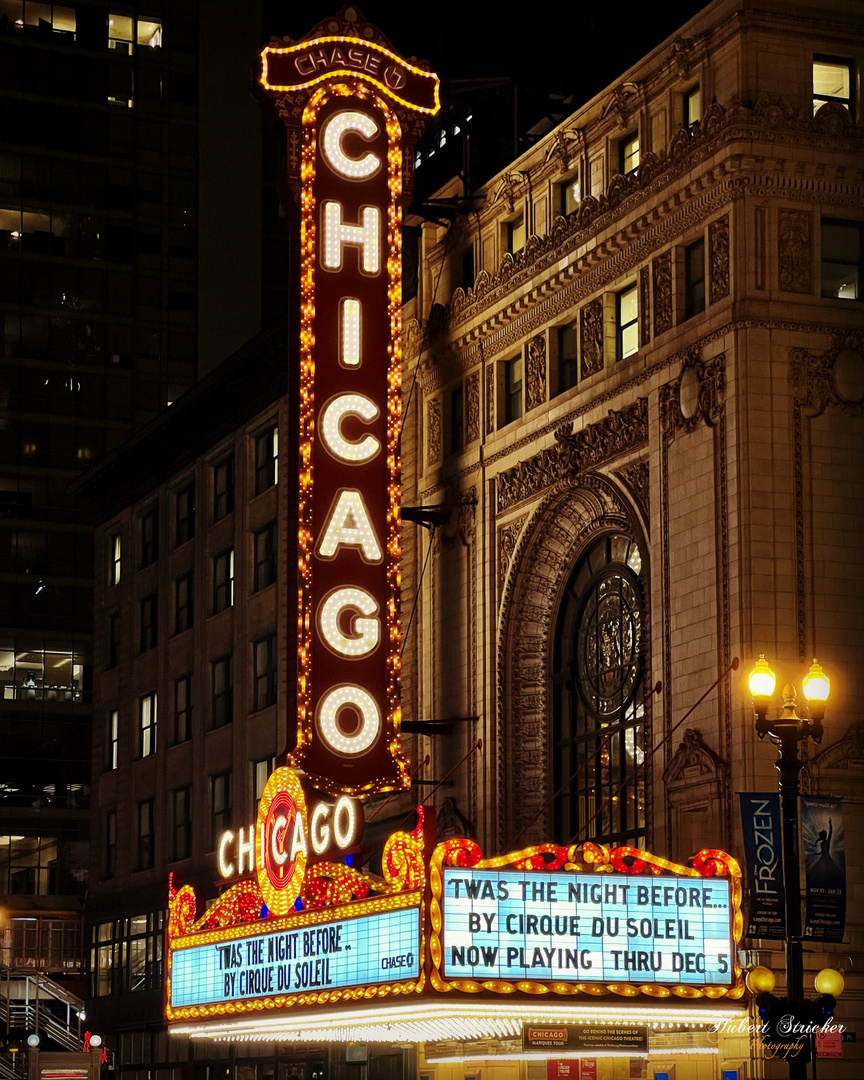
(571, 515)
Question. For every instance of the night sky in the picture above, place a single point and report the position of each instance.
(570, 48)
(509, 73)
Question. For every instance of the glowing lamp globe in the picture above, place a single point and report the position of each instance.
(829, 981)
(33, 1041)
(760, 980)
(762, 679)
(816, 685)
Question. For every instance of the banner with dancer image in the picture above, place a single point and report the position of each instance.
(824, 845)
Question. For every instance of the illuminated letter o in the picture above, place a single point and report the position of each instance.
(345, 808)
(370, 720)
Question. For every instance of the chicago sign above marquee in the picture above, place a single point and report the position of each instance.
(354, 110)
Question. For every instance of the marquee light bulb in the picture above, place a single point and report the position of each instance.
(365, 632)
(333, 132)
(331, 705)
(332, 415)
(366, 236)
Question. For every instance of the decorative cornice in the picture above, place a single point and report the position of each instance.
(575, 453)
(771, 116)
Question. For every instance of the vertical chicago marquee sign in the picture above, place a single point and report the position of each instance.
(354, 110)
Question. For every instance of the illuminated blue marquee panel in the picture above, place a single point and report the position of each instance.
(378, 948)
(587, 928)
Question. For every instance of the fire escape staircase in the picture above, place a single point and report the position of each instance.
(33, 1004)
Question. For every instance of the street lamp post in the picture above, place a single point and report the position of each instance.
(787, 731)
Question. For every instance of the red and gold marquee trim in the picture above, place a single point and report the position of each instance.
(592, 858)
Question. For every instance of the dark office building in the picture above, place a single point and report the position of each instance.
(103, 147)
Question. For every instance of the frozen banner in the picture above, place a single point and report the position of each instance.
(824, 847)
(763, 852)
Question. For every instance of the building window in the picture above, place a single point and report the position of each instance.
(832, 81)
(261, 771)
(264, 673)
(145, 835)
(222, 712)
(113, 738)
(512, 391)
(61, 20)
(149, 537)
(184, 606)
(516, 235)
(126, 955)
(114, 559)
(841, 259)
(694, 279)
(571, 194)
(223, 489)
(599, 715)
(149, 622)
(182, 823)
(568, 361)
(457, 420)
(223, 580)
(28, 865)
(147, 725)
(692, 106)
(183, 709)
(266, 459)
(113, 640)
(265, 557)
(628, 150)
(627, 323)
(220, 806)
(184, 523)
(110, 843)
(125, 32)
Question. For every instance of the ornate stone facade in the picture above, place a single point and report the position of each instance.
(725, 449)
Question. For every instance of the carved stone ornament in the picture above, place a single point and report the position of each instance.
(568, 520)
(662, 270)
(461, 525)
(683, 55)
(637, 479)
(847, 753)
(535, 362)
(695, 397)
(490, 399)
(575, 452)
(450, 821)
(507, 537)
(795, 250)
(644, 306)
(693, 761)
(834, 377)
(718, 259)
(591, 335)
(472, 412)
(433, 431)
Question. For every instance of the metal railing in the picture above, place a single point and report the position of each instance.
(31, 1002)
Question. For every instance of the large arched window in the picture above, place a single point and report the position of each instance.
(599, 709)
